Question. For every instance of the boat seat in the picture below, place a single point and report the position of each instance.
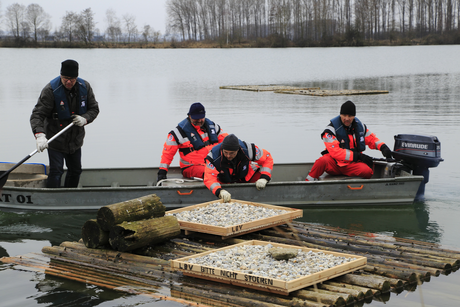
(26, 180)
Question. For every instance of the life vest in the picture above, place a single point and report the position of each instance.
(186, 130)
(60, 98)
(342, 135)
(239, 164)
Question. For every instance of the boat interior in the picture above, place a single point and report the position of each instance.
(33, 175)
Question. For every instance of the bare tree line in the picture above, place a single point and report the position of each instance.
(32, 23)
(311, 20)
(303, 22)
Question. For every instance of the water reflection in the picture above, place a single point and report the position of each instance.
(410, 222)
(45, 228)
(54, 291)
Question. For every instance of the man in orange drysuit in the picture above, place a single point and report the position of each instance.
(193, 137)
(346, 138)
(235, 161)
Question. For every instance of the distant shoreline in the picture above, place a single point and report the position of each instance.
(214, 44)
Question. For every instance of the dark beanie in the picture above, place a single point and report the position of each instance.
(348, 108)
(231, 143)
(197, 111)
(69, 68)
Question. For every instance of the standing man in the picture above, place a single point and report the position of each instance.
(346, 138)
(235, 161)
(64, 100)
(193, 137)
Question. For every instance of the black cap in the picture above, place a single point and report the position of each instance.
(348, 108)
(231, 143)
(197, 111)
(69, 68)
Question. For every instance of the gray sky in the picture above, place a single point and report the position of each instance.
(151, 12)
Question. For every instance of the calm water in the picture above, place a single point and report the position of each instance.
(144, 93)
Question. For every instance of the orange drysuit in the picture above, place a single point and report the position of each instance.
(182, 139)
(339, 156)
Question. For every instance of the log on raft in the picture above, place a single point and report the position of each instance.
(368, 292)
(131, 210)
(93, 235)
(359, 295)
(128, 236)
(320, 297)
(368, 281)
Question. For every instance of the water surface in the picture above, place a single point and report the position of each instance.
(143, 94)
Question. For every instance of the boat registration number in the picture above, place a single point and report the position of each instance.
(21, 199)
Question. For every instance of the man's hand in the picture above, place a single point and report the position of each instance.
(42, 142)
(261, 183)
(386, 152)
(225, 196)
(161, 175)
(79, 120)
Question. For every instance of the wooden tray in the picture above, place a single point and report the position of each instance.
(236, 230)
(263, 283)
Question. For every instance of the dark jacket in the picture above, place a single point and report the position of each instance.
(44, 118)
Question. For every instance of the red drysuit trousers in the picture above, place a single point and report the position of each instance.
(327, 164)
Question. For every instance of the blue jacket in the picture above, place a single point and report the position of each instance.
(186, 129)
(239, 165)
(342, 134)
(60, 98)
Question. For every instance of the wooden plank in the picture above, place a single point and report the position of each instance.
(233, 230)
(261, 283)
(240, 283)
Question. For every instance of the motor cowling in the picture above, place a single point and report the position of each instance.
(418, 153)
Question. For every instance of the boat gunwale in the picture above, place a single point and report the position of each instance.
(202, 186)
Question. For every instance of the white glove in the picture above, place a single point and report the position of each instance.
(261, 183)
(225, 196)
(79, 120)
(42, 142)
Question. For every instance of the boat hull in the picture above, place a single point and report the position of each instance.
(100, 187)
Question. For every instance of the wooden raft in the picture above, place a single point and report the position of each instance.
(265, 88)
(310, 91)
(319, 92)
(393, 265)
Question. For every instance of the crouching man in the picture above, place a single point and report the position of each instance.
(235, 161)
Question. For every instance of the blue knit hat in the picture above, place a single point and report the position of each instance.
(197, 111)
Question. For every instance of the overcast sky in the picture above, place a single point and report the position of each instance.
(151, 12)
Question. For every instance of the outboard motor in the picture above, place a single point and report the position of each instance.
(418, 152)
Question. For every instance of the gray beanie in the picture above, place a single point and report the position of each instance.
(231, 143)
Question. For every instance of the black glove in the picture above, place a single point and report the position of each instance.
(161, 175)
(363, 158)
(386, 152)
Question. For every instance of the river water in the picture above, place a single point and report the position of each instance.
(143, 94)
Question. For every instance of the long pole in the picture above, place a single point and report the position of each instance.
(4, 176)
